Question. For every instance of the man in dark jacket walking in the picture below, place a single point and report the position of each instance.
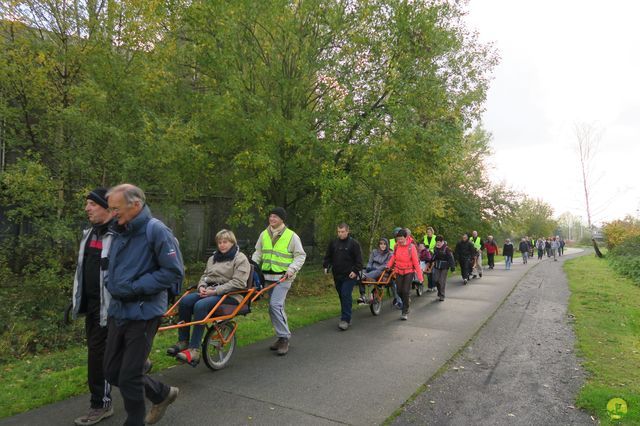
(140, 272)
(464, 254)
(524, 249)
(91, 298)
(344, 257)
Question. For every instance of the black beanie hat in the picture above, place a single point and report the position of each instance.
(280, 212)
(99, 196)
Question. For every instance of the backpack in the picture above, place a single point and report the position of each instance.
(258, 276)
(176, 287)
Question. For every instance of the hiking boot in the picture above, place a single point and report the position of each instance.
(284, 347)
(276, 345)
(404, 317)
(191, 356)
(343, 325)
(157, 410)
(94, 416)
(177, 348)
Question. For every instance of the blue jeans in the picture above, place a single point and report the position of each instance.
(507, 261)
(199, 307)
(344, 287)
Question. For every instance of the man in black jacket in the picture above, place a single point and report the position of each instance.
(344, 257)
(464, 253)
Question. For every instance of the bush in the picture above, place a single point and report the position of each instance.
(618, 231)
(625, 258)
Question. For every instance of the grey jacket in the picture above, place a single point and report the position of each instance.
(105, 296)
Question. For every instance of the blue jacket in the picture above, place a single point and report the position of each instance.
(139, 274)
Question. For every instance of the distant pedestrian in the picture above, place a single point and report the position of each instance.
(492, 250)
(406, 265)
(464, 253)
(540, 247)
(344, 258)
(507, 252)
(478, 244)
(430, 243)
(547, 246)
(561, 248)
(442, 261)
(524, 249)
(280, 254)
(555, 246)
(92, 299)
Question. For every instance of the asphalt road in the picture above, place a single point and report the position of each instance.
(520, 369)
(363, 375)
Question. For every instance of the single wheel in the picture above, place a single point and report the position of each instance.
(215, 351)
(419, 289)
(376, 302)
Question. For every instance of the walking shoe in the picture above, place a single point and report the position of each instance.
(276, 345)
(284, 347)
(480, 275)
(465, 281)
(94, 416)
(404, 317)
(343, 325)
(441, 298)
(177, 348)
(157, 410)
(361, 300)
(473, 276)
(191, 356)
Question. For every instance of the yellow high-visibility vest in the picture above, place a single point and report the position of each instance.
(276, 258)
(476, 243)
(431, 245)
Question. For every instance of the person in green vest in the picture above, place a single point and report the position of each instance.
(430, 244)
(280, 254)
(392, 241)
(479, 245)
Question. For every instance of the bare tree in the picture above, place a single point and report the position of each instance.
(587, 140)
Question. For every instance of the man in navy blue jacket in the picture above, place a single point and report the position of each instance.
(141, 270)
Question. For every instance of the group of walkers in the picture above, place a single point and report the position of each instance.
(129, 262)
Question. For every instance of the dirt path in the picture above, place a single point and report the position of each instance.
(520, 369)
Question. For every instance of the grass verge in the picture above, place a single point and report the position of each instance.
(607, 324)
(45, 379)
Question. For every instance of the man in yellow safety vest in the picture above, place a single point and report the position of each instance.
(479, 246)
(280, 254)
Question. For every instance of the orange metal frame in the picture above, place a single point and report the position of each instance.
(250, 295)
(384, 280)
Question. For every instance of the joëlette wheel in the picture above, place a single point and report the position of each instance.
(215, 351)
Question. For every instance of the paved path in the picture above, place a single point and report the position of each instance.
(360, 376)
(520, 369)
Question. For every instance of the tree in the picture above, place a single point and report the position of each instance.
(587, 139)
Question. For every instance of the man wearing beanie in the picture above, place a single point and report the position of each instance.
(280, 254)
(91, 298)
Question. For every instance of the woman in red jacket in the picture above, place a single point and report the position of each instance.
(406, 264)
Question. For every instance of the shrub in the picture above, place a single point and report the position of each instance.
(625, 258)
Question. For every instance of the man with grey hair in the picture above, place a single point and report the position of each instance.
(144, 262)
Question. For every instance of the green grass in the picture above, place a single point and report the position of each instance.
(606, 307)
(44, 379)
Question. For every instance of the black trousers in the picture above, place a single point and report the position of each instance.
(490, 259)
(96, 343)
(403, 282)
(465, 267)
(128, 346)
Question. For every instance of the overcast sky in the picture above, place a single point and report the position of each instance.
(564, 63)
